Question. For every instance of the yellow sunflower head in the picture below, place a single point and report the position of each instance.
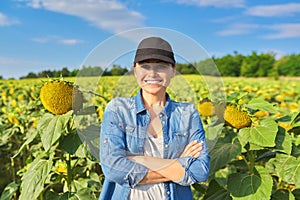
(205, 107)
(236, 118)
(59, 97)
(13, 119)
(261, 114)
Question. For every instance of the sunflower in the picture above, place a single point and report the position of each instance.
(59, 97)
(236, 117)
(279, 98)
(286, 126)
(12, 119)
(261, 113)
(205, 107)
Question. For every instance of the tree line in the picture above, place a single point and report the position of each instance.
(253, 65)
(116, 70)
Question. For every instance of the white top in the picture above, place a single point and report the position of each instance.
(153, 147)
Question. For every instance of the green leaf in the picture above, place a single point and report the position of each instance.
(255, 186)
(223, 152)
(34, 179)
(214, 132)
(32, 133)
(295, 151)
(283, 141)
(70, 143)
(216, 192)
(51, 127)
(232, 98)
(262, 135)
(90, 137)
(221, 176)
(261, 104)
(255, 147)
(296, 193)
(9, 191)
(295, 118)
(82, 194)
(200, 188)
(297, 140)
(283, 194)
(288, 168)
(51, 195)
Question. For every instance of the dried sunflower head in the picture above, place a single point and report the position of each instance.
(59, 97)
(236, 118)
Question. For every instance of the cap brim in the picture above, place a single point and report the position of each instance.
(154, 56)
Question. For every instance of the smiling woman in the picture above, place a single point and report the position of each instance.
(151, 146)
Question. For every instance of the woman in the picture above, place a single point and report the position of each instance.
(152, 147)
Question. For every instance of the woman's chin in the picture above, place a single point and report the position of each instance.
(154, 89)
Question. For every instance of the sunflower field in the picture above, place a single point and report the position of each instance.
(49, 132)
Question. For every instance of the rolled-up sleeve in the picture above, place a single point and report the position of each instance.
(114, 163)
(196, 169)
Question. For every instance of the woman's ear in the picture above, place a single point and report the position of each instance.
(134, 69)
(174, 71)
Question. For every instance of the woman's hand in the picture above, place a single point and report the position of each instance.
(192, 149)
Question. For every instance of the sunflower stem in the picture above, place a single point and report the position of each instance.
(251, 161)
(12, 164)
(69, 173)
(95, 93)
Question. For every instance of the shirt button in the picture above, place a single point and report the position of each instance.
(161, 115)
(168, 192)
(166, 146)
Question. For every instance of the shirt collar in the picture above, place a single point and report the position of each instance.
(139, 102)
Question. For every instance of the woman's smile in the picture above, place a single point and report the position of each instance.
(153, 82)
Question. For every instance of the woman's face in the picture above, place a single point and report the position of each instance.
(154, 76)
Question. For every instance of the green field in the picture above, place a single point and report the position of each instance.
(43, 156)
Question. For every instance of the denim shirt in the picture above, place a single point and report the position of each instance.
(123, 133)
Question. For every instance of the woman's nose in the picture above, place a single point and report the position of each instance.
(152, 70)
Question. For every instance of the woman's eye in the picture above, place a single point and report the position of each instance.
(146, 67)
(160, 67)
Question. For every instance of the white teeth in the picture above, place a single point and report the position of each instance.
(152, 81)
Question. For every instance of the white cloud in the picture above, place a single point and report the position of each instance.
(57, 39)
(284, 31)
(215, 3)
(281, 31)
(41, 40)
(109, 15)
(6, 21)
(70, 41)
(274, 10)
(238, 29)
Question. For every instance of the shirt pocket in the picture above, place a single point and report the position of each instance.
(131, 139)
(180, 140)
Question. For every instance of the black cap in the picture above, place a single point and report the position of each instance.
(154, 48)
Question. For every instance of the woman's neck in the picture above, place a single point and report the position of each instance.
(154, 101)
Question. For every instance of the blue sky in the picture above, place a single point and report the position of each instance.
(38, 35)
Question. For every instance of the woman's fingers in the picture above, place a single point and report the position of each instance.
(195, 150)
(192, 149)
